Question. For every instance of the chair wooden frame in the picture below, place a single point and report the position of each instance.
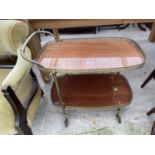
(20, 111)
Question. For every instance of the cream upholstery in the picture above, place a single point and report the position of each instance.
(6, 113)
(12, 34)
(33, 107)
(17, 74)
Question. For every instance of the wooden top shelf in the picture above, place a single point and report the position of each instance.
(92, 55)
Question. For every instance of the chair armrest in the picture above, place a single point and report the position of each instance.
(19, 71)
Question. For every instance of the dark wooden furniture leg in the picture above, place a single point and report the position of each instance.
(152, 75)
(153, 126)
(141, 27)
(152, 34)
(153, 129)
(151, 111)
(121, 27)
(19, 112)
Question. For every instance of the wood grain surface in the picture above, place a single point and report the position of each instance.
(92, 91)
(106, 54)
(65, 23)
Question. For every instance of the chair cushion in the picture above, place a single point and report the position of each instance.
(6, 113)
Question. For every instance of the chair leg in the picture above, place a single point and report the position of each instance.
(24, 129)
(152, 75)
(153, 129)
(151, 111)
(28, 131)
(20, 112)
(123, 27)
(153, 126)
(141, 27)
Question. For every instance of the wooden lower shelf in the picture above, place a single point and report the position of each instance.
(92, 90)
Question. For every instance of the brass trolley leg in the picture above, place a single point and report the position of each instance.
(60, 99)
(115, 88)
(116, 82)
(118, 115)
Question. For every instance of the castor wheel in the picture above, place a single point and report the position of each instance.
(118, 118)
(42, 93)
(66, 122)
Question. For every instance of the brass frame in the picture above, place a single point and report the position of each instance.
(53, 72)
(54, 76)
(118, 108)
(115, 84)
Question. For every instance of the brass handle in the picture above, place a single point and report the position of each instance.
(22, 51)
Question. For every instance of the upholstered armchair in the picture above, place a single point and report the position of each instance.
(20, 92)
